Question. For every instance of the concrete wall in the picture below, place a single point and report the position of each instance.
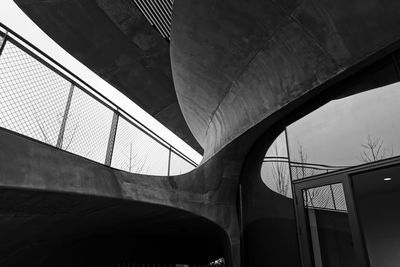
(236, 62)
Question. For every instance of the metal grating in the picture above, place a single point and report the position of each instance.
(158, 13)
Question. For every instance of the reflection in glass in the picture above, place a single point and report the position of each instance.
(278, 148)
(326, 197)
(275, 171)
(276, 176)
(345, 132)
(328, 226)
(377, 203)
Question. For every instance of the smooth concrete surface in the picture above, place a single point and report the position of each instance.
(81, 198)
(236, 62)
(115, 41)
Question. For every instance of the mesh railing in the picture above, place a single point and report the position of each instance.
(300, 170)
(329, 197)
(135, 152)
(41, 99)
(32, 97)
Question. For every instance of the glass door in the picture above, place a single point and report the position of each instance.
(328, 229)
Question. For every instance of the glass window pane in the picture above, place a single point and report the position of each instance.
(328, 227)
(88, 127)
(32, 97)
(377, 197)
(276, 176)
(179, 165)
(345, 132)
(275, 168)
(136, 152)
(319, 197)
(338, 197)
(278, 147)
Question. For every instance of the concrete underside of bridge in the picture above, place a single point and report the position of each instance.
(242, 70)
(58, 209)
(42, 228)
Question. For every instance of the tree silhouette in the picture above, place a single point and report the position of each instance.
(66, 141)
(318, 197)
(374, 150)
(134, 163)
(280, 174)
(303, 157)
(313, 195)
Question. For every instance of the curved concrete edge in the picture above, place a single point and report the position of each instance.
(30, 165)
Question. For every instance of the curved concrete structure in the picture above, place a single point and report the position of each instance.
(242, 71)
(237, 62)
(115, 41)
(54, 202)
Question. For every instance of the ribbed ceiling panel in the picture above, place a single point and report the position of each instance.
(158, 13)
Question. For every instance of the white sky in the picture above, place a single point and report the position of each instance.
(14, 18)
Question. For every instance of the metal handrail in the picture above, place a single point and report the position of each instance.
(302, 164)
(43, 58)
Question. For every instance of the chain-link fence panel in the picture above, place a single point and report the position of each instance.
(88, 127)
(300, 172)
(319, 197)
(339, 197)
(178, 165)
(136, 152)
(32, 97)
(36, 100)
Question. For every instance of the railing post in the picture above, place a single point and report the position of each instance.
(169, 160)
(65, 117)
(333, 197)
(3, 43)
(111, 139)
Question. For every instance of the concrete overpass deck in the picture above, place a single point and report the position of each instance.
(59, 209)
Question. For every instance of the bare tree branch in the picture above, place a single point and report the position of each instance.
(280, 174)
(374, 150)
